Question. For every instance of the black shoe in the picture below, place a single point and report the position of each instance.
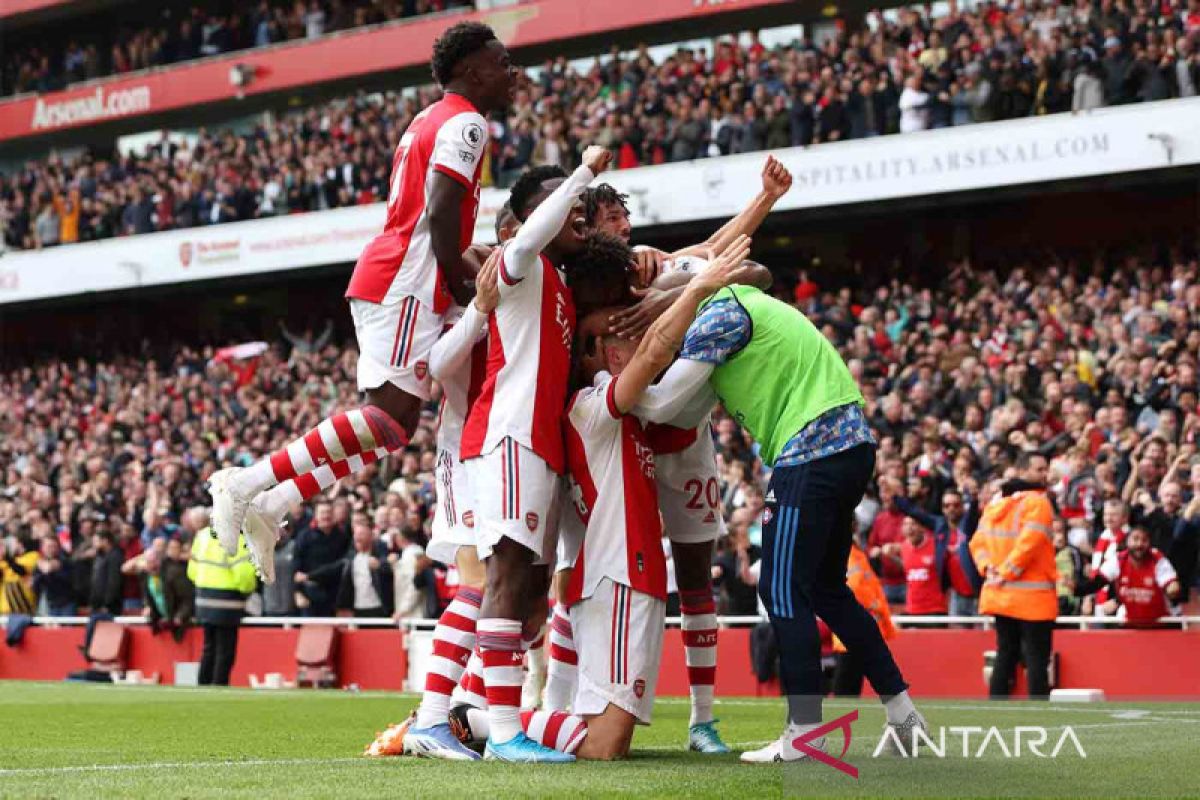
(460, 726)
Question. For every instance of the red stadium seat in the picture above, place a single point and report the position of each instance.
(316, 655)
(109, 647)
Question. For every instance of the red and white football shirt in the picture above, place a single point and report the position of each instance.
(1140, 587)
(447, 137)
(529, 362)
(612, 467)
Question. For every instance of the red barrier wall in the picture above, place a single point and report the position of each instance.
(938, 663)
(373, 658)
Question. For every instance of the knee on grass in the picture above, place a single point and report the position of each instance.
(610, 735)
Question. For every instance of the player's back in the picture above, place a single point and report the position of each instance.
(448, 137)
(612, 466)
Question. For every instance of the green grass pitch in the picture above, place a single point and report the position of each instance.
(62, 740)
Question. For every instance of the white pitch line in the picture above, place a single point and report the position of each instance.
(261, 762)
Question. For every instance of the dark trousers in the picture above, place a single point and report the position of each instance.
(1017, 640)
(807, 532)
(848, 676)
(220, 649)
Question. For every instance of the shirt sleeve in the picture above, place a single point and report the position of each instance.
(455, 344)
(522, 253)
(459, 147)
(719, 331)
(667, 399)
(1164, 572)
(1110, 568)
(593, 408)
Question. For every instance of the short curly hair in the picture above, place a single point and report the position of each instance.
(603, 194)
(456, 43)
(529, 185)
(599, 273)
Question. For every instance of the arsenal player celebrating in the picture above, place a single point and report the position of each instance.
(617, 590)
(404, 282)
(688, 485)
(512, 441)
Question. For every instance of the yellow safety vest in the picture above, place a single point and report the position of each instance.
(222, 583)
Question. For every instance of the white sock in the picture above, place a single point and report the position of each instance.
(277, 501)
(898, 708)
(477, 718)
(258, 477)
(562, 669)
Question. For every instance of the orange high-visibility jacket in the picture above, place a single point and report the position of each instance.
(1014, 538)
(869, 592)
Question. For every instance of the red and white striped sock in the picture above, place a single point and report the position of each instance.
(278, 500)
(453, 641)
(562, 670)
(555, 729)
(345, 434)
(503, 673)
(700, 649)
(471, 687)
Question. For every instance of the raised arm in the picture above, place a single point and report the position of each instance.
(547, 219)
(662, 341)
(776, 181)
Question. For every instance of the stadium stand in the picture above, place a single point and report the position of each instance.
(1090, 361)
(1083, 348)
(906, 74)
(176, 34)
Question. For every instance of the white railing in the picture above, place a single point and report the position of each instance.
(902, 620)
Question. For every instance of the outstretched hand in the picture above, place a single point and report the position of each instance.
(632, 322)
(725, 269)
(487, 290)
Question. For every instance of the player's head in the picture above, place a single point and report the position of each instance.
(507, 223)
(600, 350)
(470, 60)
(531, 190)
(607, 211)
(598, 274)
(532, 187)
(1138, 542)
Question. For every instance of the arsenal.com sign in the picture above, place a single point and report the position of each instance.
(97, 106)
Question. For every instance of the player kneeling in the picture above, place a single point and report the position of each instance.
(617, 592)
(618, 588)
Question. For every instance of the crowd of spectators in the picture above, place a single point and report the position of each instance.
(53, 60)
(1092, 364)
(998, 61)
